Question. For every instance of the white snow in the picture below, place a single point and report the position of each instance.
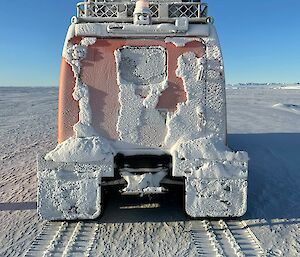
(180, 41)
(189, 120)
(139, 122)
(208, 158)
(270, 136)
(143, 183)
(294, 108)
(69, 195)
(209, 148)
(85, 145)
(87, 149)
(216, 197)
(74, 54)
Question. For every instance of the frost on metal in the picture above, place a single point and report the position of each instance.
(181, 41)
(69, 191)
(69, 187)
(194, 134)
(75, 53)
(189, 120)
(142, 77)
(204, 111)
(216, 197)
(86, 145)
(216, 177)
(145, 183)
(208, 157)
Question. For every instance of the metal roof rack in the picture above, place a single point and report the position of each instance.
(163, 11)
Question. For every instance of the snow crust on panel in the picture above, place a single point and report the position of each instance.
(189, 120)
(181, 41)
(70, 35)
(215, 90)
(130, 149)
(209, 148)
(106, 30)
(196, 131)
(141, 76)
(86, 145)
(83, 127)
(216, 177)
(87, 41)
(216, 198)
(208, 157)
(88, 149)
(65, 194)
(75, 53)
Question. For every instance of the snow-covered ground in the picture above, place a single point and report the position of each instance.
(263, 121)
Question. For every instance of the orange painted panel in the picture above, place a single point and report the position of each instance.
(99, 73)
(68, 108)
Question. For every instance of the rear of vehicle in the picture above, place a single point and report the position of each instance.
(141, 103)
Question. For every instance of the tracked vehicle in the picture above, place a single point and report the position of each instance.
(141, 103)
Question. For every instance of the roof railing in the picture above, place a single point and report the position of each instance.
(163, 11)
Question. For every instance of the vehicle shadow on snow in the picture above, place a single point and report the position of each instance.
(274, 174)
(21, 206)
(273, 193)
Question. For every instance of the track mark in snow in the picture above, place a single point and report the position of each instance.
(72, 240)
(293, 108)
(211, 238)
(204, 239)
(45, 241)
(63, 239)
(95, 237)
(220, 238)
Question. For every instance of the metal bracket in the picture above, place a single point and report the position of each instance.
(143, 184)
(181, 26)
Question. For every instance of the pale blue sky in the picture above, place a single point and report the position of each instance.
(260, 39)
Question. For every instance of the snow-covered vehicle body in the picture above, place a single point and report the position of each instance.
(141, 99)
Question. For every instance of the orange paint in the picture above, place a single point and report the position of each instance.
(68, 108)
(99, 73)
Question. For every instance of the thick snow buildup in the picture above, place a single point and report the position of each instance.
(215, 86)
(83, 127)
(86, 145)
(181, 41)
(189, 119)
(216, 198)
(208, 157)
(65, 194)
(129, 117)
(152, 98)
(142, 77)
(209, 148)
(75, 53)
(88, 149)
(204, 111)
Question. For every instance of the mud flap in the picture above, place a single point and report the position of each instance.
(215, 197)
(68, 191)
